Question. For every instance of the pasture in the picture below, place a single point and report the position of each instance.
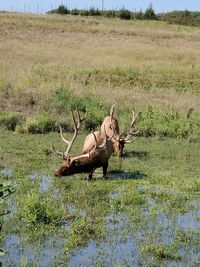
(147, 213)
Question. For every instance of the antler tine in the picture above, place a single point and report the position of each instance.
(80, 119)
(129, 141)
(112, 136)
(96, 143)
(131, 132)
(105, 138)
(76, 127)
(111, 112)
(133, 118)
(70, 143)
(74, 120)
(63, 138)
(56, 151)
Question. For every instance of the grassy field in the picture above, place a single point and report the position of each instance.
(138, 63)
(147, 213)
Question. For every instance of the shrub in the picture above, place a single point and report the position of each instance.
(167, 123)
(138, 15)
(75, 12)
(94, 12)
(9, 120)
(39, 124)
(109, 13)
(149, 13)
(84, 12)
(125, 14)
(63, 10)
(181, 17)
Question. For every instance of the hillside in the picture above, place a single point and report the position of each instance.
(136, 63)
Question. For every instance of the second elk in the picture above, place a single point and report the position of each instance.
(89, 160)
(111, 125)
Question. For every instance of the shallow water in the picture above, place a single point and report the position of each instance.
(116, 249)
(120, 246)
(40, 254)
(123, 248)
(44, 180)
(7, 172)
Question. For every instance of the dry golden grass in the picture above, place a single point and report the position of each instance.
(40, 52)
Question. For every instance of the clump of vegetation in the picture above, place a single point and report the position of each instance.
(39, 208)
(64, 100)
(154, 122)
(189, 18)
(9, 120)
(42, 123)
(82, 230)
(149, 13)
(125, 14)
(162, 252)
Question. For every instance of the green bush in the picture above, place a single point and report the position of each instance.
(138, 15)
(63, 10)
(43, 123)
(109, 13)
(9, 120)
(37, 208)
(181, 17)
(75, 12)
(84, 12)
(94, 12)
(125, 14)
(169, 123)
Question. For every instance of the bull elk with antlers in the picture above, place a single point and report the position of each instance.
(111, 126)
(117, 140)
(89, 160)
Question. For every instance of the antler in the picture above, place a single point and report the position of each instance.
(106, 139)
(70, 143)
(111, 112)
(131, 132)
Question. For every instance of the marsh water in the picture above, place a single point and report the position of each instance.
(120, 247)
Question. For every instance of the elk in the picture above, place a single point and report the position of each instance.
(111, 126)
(88, 161)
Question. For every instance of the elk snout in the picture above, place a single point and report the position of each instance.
(57, 174)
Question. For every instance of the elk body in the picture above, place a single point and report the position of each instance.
(89, 160)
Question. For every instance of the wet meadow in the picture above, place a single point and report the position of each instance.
(147, 212)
